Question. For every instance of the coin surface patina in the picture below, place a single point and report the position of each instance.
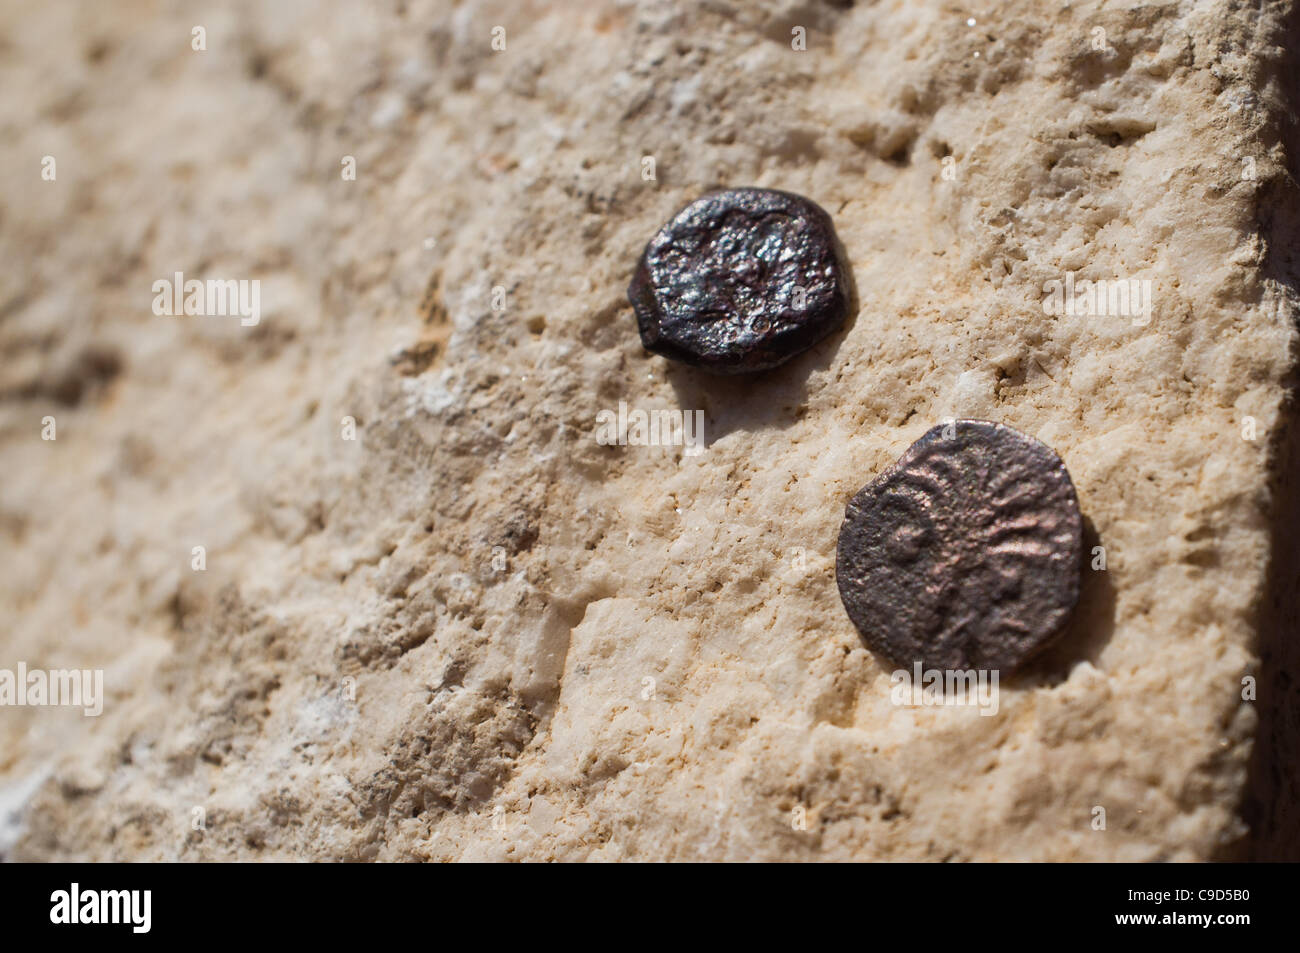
(966, 553)
(740, 280)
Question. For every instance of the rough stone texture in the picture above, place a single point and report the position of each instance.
(507, 713)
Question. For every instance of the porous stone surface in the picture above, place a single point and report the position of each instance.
(477, 633)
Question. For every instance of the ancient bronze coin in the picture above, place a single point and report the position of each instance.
(966, 553)
(740, 280)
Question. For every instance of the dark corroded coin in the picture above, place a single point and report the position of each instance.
(966, 553)
(740, 280)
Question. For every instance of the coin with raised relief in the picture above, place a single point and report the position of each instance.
(966, 553)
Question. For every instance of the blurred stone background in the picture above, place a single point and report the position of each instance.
(473, 632)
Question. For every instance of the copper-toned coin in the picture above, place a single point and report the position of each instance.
(966, 553)
(740, 280)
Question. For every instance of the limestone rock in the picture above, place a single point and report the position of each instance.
(476, 632)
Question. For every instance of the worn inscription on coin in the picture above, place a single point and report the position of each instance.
(740, 280)
(966, 553)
